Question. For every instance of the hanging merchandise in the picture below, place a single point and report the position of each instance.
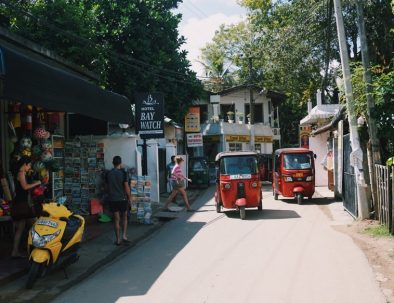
(16, 118)
(46, 156)
(25, 143)
(40, 133)
(28, 123)
(46, 145)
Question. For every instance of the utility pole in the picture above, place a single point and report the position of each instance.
(356, 154)
(251, 105)
(370, 101)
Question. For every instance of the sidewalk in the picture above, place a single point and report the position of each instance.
(96, 251)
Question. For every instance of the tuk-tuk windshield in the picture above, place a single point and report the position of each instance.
(198, 164)
(238, 165)
(297, 161)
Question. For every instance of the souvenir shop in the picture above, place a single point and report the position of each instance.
(37, 93)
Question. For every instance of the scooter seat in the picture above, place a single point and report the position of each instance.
(73, 223)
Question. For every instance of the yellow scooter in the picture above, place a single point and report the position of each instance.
(54, 240)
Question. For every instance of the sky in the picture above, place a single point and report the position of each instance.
(201, 18)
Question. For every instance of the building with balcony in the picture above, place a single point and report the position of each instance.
(226, 126)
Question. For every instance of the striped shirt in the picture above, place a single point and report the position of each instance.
(176, 172)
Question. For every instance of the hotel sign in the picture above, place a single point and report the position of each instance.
(149, 115)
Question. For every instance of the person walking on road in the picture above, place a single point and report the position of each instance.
(119, 197)
(169, 168)
(178, 184)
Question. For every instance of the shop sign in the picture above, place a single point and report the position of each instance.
(192, 120)
(239, 138)
(194, 140)
(149, 115)
(211, 139)
(263, 139)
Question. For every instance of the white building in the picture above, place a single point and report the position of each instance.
(227, 127)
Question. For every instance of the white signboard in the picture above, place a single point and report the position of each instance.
(194, 140)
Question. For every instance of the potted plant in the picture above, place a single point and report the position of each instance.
(230, 116)
(240, 117)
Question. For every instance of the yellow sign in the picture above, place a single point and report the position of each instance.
(263, 139)
(192, 120)
(215, 138)
(231, 138)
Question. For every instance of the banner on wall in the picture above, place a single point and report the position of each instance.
(194, 140)
(305, 132)
(192, 120)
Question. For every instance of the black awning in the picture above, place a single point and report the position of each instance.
(31, 81)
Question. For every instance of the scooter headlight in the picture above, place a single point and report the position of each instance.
(309, 178)
(41, 241)
(288, 179)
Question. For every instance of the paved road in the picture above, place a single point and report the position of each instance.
(287, 253)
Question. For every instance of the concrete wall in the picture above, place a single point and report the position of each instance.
(318, 144)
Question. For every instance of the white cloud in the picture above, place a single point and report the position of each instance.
(200, 31)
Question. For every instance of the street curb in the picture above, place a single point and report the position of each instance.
(47, 295)
(50, 294)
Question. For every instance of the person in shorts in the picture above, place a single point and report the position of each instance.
(119, 198)
(178, 185)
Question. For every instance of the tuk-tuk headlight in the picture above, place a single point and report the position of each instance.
(309, 178)
(254, 184)
(227, 186)
(288, 179)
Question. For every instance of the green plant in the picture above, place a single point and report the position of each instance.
(378, 231)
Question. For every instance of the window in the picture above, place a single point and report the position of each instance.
(297, 161)
(258, 112)
(235, 146)
(257, 147)
(239, 165)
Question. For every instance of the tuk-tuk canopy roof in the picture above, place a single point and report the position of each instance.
(293, 150)
(234, 154)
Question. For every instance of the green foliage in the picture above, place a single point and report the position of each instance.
(132, 45)
(378, 231)
(292, 44)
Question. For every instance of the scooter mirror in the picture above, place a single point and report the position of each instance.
(61, 200)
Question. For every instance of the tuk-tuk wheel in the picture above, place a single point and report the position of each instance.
(260, 207)
(299, 198)
(218, 207)
(242, 212)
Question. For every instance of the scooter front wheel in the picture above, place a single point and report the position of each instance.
(35, 270)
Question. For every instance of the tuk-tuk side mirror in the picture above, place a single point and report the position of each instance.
(314, 156)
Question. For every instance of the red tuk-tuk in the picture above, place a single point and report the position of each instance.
(238, 182)
(293, 173)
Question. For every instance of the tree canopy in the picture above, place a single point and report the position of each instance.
(294, 48)
(132, 45)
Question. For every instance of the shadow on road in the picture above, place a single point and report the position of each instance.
(313, 201)
(270, 214)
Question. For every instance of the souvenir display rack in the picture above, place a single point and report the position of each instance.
(84, 163)
(57, 178)
(140, 187)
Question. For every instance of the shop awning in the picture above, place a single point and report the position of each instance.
(319, 112)
(34, 82)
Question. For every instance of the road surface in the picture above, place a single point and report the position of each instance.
(287, 253)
